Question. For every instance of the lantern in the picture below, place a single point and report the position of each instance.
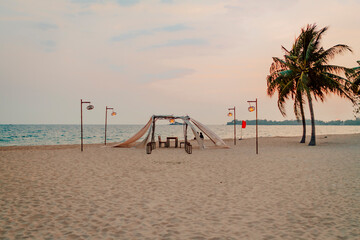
(229, 114)
(113, 114)
(172, 120)
(90, 107)
(251, 108)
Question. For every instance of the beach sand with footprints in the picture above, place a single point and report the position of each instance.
(288, 191)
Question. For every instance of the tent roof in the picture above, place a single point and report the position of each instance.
(131, 142)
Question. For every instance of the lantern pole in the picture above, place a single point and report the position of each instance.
(82, 129)
(241, 130)
(234, 123)
(250, 110)
(257, 138)
(113, 114)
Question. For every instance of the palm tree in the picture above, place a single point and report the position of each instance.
(320, 77)
(354, 75)
(284, 78)
(306, 67)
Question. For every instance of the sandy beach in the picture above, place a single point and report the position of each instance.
(288, 191)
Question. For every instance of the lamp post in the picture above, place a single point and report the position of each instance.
(112, 114)
(251, 109)
(89, 107)
(230, 114)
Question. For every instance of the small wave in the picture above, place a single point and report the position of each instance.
(30, 136)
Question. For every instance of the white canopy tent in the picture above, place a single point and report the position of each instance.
(149, 128)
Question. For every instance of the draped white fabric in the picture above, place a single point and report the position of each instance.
(213, 137)
(132, 141)
(197, 137)
(149, 128)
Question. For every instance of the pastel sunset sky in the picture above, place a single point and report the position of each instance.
(144, 57)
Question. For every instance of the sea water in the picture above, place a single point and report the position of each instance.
(24, 135)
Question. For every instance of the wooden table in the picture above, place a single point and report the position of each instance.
(172, 138)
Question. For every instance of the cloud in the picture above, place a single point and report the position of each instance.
(48, 45)
(127, 2)
(139, 33)
(131, 35)
(85, 1)
(86, 13)
(172, 28)
(124, 3)
(181, 42)
(167, 75)
(46, 26)
(167, 1)
(116, 68)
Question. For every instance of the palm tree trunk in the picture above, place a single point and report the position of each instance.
(303, 123)
(312, 140)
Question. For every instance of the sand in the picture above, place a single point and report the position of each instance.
(288, 191)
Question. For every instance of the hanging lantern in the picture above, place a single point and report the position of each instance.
(172, 120)
(90, 107)
(251, 108)
(113, 114)
(229, 114)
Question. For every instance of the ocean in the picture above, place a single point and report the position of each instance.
(26, 135)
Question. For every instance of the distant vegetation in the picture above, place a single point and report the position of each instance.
(308, 122)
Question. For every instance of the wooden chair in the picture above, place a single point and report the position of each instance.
(160, 142)
(188, 147)
(148, 148)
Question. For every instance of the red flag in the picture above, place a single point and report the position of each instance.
(243, 125)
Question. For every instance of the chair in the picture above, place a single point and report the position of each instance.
(188, 147)
(148, 148)
(160, 142)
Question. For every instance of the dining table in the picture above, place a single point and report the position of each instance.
(172, 138)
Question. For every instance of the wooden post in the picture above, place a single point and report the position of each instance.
(153, 131)
(82, 129)
(234, 122)
(107, 108)
(241, 132)
(105, 122)
(81, 102)
(257, 141)
(234, 126)
(251, 108)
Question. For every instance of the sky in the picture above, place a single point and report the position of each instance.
(145, 57)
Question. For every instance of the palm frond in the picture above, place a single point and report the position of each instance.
(335, 50)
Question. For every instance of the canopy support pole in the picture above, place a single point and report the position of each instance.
(153, 131)
(185, 133)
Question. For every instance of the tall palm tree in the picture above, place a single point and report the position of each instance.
(320, 77)
(306, 67)
(354, 75)
(285, 79)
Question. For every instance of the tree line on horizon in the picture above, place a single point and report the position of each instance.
(307, 122)
(304, 75)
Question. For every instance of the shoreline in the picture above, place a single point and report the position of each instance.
(71, 146)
